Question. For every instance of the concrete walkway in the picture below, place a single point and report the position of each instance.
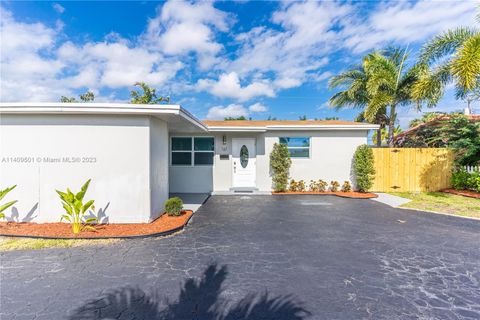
(391, 200)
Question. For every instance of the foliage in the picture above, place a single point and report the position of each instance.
(451, 56)
(301, 186)
(463, 180)
(293, 185)
(75, 209)
(7, 205)
(425, 118)
(280, 163)
(86, 97)
(384, 135)
(346, 187)
(302, 118)
(174, 206)
(379, 86)
(236, 118)
(334, 185)
(363, 169)
(148, 96)
(461, 134)
(322, 185)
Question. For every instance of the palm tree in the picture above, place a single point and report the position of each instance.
(451, 56)
(384, 134)
(149, 95)
(355, 95)
(390, 84)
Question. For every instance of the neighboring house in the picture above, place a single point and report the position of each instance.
(137, 154)
(421, 136)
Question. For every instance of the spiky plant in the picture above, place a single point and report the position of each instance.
(7, 205)
(76, 209)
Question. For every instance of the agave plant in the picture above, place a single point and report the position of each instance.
(7, 205)
(76, 209)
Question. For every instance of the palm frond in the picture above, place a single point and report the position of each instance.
(465, 66)
(445, 44)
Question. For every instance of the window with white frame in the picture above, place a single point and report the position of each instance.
(299, 147)
(196, 151)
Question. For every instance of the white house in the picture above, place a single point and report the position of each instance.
(137, 154)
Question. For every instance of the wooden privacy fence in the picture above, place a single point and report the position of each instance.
(412, 169)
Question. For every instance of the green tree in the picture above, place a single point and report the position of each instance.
(85, 97)
(236, 118)
(384, 135)
(302, 118)
(426, 117)
(280, 163)
(453, 56)
(363, 168)
(355, 95)
(148, 96)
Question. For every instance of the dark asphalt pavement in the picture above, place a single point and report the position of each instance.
(261, 257)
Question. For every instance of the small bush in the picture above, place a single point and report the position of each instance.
(322, 185)
(313, 186)
(174, 206)
(301, 186)
(363, 169)
(346, 187)
(473, 182)
(334, 185)
(280, 163)
(460, 179)
(293, 185)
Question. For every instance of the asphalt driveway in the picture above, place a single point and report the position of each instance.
(262, 257)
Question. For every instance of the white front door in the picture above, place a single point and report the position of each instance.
(244, 158)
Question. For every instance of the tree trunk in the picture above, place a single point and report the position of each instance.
(391, 126)
(379, 136)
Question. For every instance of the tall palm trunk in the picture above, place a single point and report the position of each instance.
(391, 125)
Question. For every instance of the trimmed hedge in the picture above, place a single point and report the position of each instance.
(174, 206)
(363, 168)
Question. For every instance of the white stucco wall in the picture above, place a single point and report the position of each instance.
(114, 151)
(158, 166)
(331, 154)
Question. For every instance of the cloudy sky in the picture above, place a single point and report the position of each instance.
(217, 59)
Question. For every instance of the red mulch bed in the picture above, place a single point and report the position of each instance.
(355, 195)
(162, 224)
(465, 193)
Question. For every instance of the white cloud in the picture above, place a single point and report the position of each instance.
(182, 27)
(257, 107)
(232, 110)
(406, 22)
(228, 86)
(235, 111)
(57, 7)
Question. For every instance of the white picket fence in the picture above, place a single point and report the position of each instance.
(471, 169)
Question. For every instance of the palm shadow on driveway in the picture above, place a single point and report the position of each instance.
(198, 300)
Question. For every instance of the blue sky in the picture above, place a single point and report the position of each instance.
(217, 59)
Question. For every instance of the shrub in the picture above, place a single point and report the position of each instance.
(293, 185)
(280, 163)
(174, 206)
(76, 209)
(363, 168)
(301, 186)
(313, 186)
(7, 205)
(334, 185)
(346, 187)
(473, 182)
(322, 185)
(460, 179)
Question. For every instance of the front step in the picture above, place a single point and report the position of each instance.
(252, 191)
(243, 189)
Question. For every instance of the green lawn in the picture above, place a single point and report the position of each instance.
(10, 243)
(442, 202)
